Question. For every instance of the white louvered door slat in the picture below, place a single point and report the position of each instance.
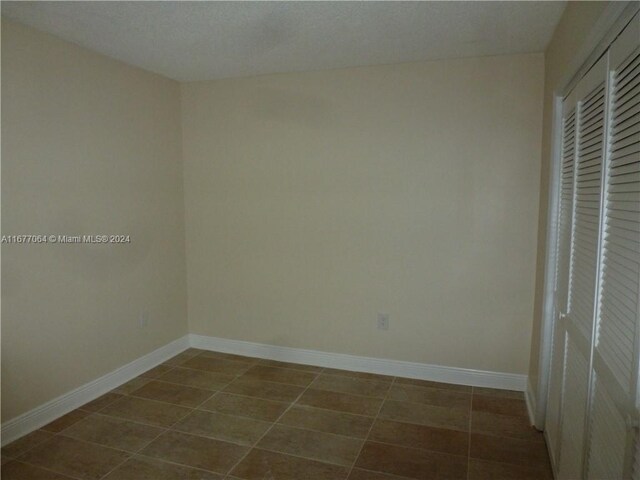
(612, 439)
(584, 252)
(606, 425)
(574, 393)
(635, 475)
(590, 101)
(565, 221)
(593, 404)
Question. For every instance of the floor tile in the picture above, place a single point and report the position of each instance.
(353, 385)
(430, 384)
(142, 468)
(22, 445)
(482, 470)
(146, 411)
(74, 458)
(267, 390)
(101, 402)
(500, 405)
(349, 373)
(241, 430)
(294, 366)
(181, 358)
(504, 426)
(65, 421)
(217, 365)
(430, 415)
(131, 385)
(328, 421)
(229, 356)
(194, 451)
(172, 393)
(423, 437)
(360, 474)
(194, 351)
(198, 415)
(320, 446)
(251, 407)
(342, 402)
(508, 450)
(14, 470)
(430, 396)
(113, 432)
(494, 392)
(156, 371)
(197, 378)
(280, 375)
(262, 465)
(412, 463)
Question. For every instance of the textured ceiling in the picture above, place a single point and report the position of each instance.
(206, 40)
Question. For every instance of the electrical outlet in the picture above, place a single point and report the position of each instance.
(143, 319)
(383, 321)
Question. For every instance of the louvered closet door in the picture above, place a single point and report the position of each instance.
(613, 410)
(565, 222)
(576, 324)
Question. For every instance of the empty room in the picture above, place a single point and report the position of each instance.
(282, 240)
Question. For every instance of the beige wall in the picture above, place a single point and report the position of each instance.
(574, 27)
(89, 146)
(316, 200)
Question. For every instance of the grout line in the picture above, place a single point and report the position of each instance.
(171, 462)
(296, 455)
(184, 465)
(219, 391)
(244, 395)
(96, 413)
(143, 375)
(133, 454)
(167, 429)
(265, 362)
(295, 427)
(375, 419)
(172, 428)
(238, 375)
(272, 425)
(312, 407)
(131, 395)
(46, 469)
(190, 386)
(110, 392)
(15, 457)
(129, 420)
(61, 434)
(391, 475)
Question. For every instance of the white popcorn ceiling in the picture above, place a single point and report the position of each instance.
(207, 40)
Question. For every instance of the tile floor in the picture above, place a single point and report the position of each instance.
(211, 416)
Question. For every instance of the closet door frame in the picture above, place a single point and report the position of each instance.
(611, 23)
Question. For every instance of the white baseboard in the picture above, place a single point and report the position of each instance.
(48, 412)
(530, 399)
(421, 371)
